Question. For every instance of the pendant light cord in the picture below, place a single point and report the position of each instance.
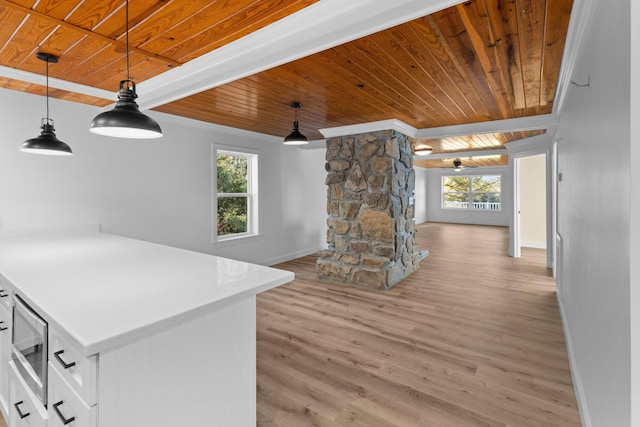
(47, 91)
(126, 11)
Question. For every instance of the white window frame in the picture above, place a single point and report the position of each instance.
(470, 193)
(252, 194)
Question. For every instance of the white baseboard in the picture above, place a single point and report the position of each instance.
(575, 372)
(284, 258)
(535, 245)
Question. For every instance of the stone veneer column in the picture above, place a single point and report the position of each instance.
(371, 228)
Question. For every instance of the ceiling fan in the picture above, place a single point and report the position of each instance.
(457, 165)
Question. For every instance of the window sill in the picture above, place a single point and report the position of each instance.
(472, 210)
(236, 240)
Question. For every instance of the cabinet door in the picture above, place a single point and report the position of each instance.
(5, 354)
(77, 370)
(5, 293)
(25, 409)
(65, 406)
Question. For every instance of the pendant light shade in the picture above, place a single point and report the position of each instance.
(125, 119)
(295, 137)
(47, 142)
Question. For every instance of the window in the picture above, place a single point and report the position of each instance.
(481, 192)
(237, 194)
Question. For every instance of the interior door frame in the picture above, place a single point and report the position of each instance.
(516, 251)
(553, 162)
(551, 182)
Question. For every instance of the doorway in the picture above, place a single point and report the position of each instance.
(531, 223)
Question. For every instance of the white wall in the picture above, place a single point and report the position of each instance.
(435, 213)
(635, 215)
(533, 201)
(155, 190)
(593, 218)
(421, 194)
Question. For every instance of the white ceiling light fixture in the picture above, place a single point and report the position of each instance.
(423, 151)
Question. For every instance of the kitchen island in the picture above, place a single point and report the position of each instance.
(158, 336)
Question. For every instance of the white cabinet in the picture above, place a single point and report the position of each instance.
(5, 356)
(65, 406)
(76, 369)
(122, 358)
(199, 373)
(5, 343)
(72, 381)
(25, 410)
(71, 388)
(5, 293)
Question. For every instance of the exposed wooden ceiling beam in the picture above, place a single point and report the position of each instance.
(542, 121)
(318, 27)
(88, 33)
(39, 79)
(359, 128)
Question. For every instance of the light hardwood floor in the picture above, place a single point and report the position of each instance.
(474, 338)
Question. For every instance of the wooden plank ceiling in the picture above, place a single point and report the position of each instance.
(478, 61)
(481, 144)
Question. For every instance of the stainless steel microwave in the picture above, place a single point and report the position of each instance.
(29, 347)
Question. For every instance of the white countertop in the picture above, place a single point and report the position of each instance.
(105, 290)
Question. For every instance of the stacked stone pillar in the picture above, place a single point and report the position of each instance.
(371, 228)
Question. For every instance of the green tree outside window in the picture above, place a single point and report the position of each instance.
(482, 192)
(233, 194)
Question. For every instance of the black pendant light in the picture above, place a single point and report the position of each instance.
(125, 119)
(46, 142)
(295, 137)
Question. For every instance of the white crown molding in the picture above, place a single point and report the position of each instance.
(318, 27)
(546, 121)
(360, 128)
(471, 153)
(25, 76)
(496, 126)
(581, 16)
(539, 143)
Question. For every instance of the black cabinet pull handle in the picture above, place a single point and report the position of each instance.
(64, 364)
(3, 294)
(20, 414)
(64, 420)
(3, 328)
